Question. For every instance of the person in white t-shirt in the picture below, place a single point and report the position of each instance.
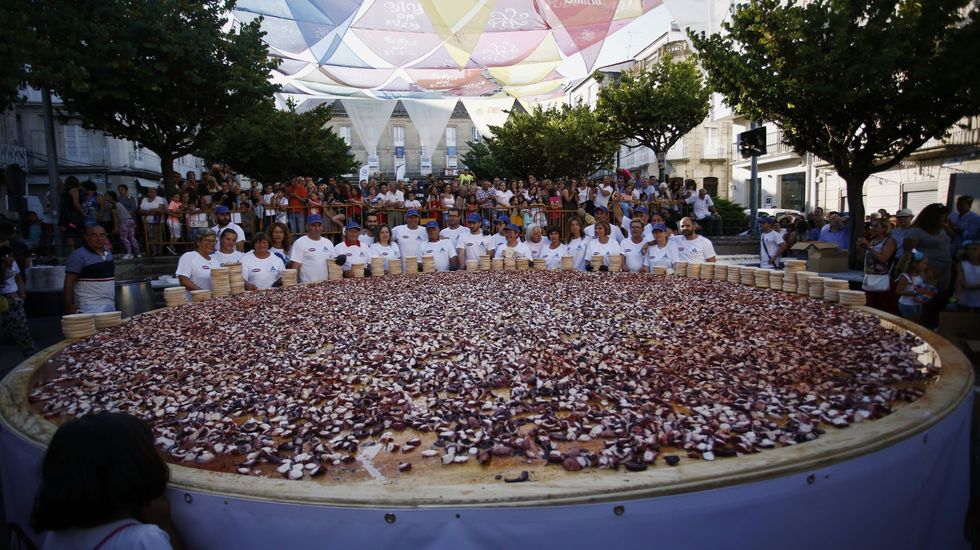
(661, 252)
(153, 207)
(578, 243)
(443, 251)
(602, 245)
(771, 245)
(503, 195)
(384, 247)
(512, 247)
(226, 254)
(370, 227)
(352, 248)
(633, 247)
(410, 236)
(473, 244)
(454, 230)
(535, 240)
(311, 252)
(500, 236)
(602, 215)
(261, 268)
(703, 206)
(691, 247)
(194, 267)
(14, 320)
(603, 193)
(553, 253)
(223, 216)
(639, 213)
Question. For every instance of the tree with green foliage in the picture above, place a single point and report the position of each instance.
(859, 83)
(655, 107)
(269, 144)
(15, 48)
(167, 74)
(481, 161)
(558, 142)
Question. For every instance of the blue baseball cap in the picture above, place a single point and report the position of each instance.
(432, 225)
(512, 226)
(314, 218)
(767, 219)
(411, 212)
(603, 208)
(353, 225)
(660, 227)
(640, 208)
(503, 219)
(221, 210)
(474, 218)
(486, 224)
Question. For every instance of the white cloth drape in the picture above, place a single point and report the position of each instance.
(430, 117)
(369, 117)
(487, 112)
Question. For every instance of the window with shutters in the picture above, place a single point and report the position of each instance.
(77, 145)
(345, 134)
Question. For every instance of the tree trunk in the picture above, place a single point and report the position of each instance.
(855, 207)
(167, 169)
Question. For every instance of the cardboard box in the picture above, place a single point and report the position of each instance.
(821, 257)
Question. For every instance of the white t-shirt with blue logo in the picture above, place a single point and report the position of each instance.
(474, 246)
(409, 240)
(262, 272)
(312, 257)
(356, 254)
(442, 252)
(389, 253)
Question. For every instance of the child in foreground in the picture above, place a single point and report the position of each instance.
(102, 486)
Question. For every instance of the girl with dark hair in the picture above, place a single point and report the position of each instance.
(279, 240)
(383, 247)
(930, 235)
(102, 486)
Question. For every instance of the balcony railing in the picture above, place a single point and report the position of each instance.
(97, 158)
(13, 154)
(714, 152)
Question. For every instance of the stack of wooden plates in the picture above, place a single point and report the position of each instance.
(510, 263)
(357, 271)
(78, 325)
(794, 265)
(693, 270)
(852, 297)
(108, 319)
(816, 287)
(708, 270)
(485, 262)
(200, 295)
(567, 263)
(616, 263)
(334, 271)
(377, 267)
(721, 272)
(734, 274)
(290, 277)
(747, 275)
(596, 262)
(832, 288)
(174, 296)
(497, 264)
(411, 266)
(235, 278)
(762, 277)
(540, 264)
(395, 267)
(659, 270)
(776, 279)
(428, 264)
(680, 269)
(220, 281)
(472, 265)
(523, 263)
(789, 281)
(803, 282)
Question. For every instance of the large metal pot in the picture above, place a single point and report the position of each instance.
(134, 296)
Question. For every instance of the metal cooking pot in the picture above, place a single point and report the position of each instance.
(134, 296)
